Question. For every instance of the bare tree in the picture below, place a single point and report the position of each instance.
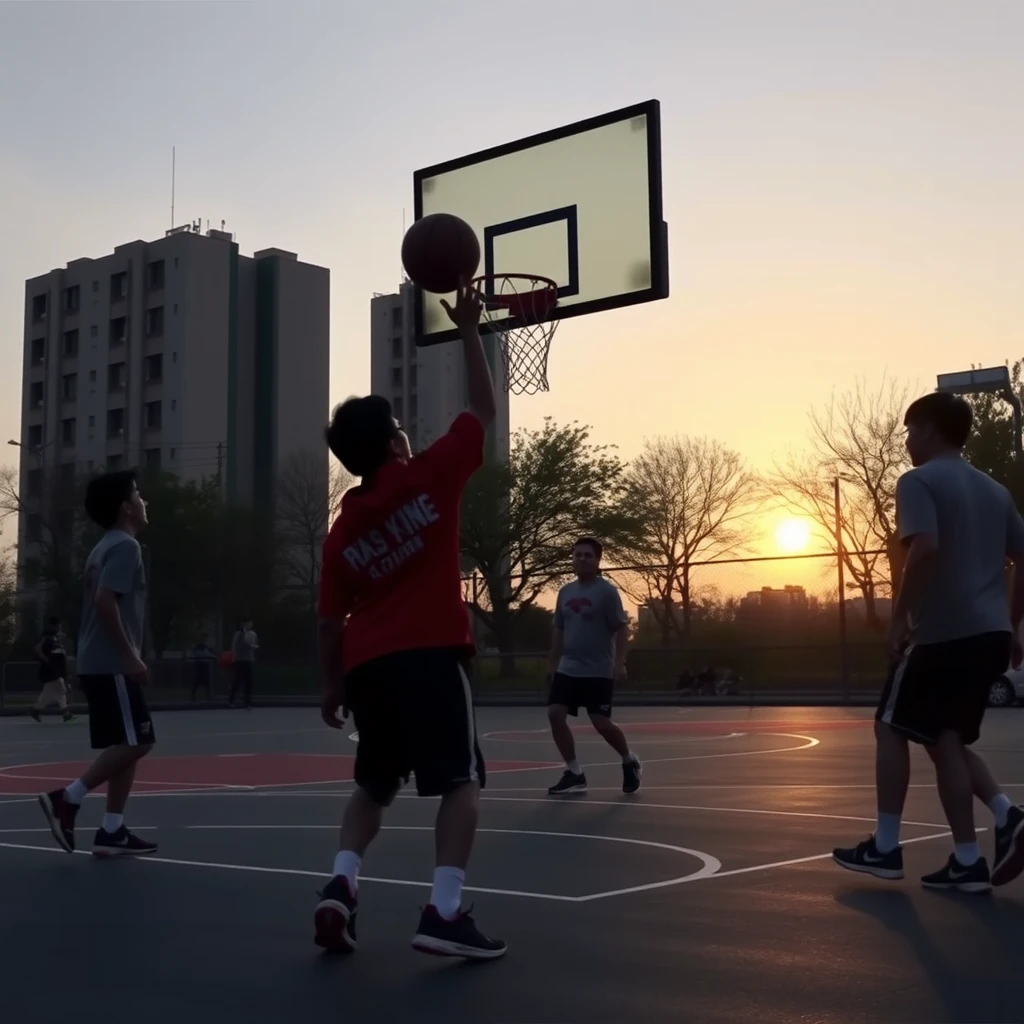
(308, 497)
(691, 496)
(858, 440)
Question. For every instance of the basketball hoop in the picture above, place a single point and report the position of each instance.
(518, 308)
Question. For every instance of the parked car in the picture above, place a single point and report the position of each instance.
(1007, 690)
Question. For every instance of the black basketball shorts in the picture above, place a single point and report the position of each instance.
(575, 692)
(413, 711)
(118, 713)
(941, 687)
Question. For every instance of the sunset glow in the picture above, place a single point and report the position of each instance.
(793, 535)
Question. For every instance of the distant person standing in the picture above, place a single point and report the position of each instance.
(587, 659)
(244, 646)
(53, 672)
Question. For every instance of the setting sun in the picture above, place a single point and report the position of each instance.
(793, 535)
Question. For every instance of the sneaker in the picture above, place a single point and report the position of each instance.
(458, 937)
(335, 917)
(69, 716)
(868, 859)
(1009, 856)
(60, 814)
(570, 782)
(121, 843)
(956, 876)
(35, 715)
(631, 774)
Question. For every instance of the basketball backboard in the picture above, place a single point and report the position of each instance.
(580, 205)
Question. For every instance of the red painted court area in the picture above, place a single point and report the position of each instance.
(722, 727)
(213, 772)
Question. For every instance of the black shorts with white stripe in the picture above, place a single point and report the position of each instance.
(413, 711)
(118, 713)
(936, 688)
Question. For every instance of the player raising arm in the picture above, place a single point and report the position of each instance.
(394, 641)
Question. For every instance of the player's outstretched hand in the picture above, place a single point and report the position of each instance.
(334, 700)
(465, 314)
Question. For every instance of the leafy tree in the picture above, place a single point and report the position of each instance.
(690, 497)
(520, 518)
(991, 446)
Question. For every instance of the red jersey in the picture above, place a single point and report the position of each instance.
(390, 567)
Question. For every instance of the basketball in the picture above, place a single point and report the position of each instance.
(439, 249)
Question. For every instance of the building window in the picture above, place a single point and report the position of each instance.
(174, 357)
(118, 331)
(67, 472)
(116, 373)
(115, 422)
(38, 351)
(71, 344)
(33, 527)
(67, 432)
(152, 458)
(396, 376)
(396, 408)
(413, 407)
(92, 376)
(174, 404)
(93, 331)
(412, 376)
(34, 482)
(72, 299)
(154, 368)
(69, 387)
(95, 286)
(38, 307)
(36, 391)
(396, 348)
(35, 436)
(155, 275)
(174, 451)
(155, 322)
(119, 286)
(92, 421)
(114, 462)
(396, 318)
(153, 415)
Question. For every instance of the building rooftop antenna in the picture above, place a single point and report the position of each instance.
(173, 155)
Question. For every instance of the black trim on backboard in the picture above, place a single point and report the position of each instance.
(572, 248)
(651, 109)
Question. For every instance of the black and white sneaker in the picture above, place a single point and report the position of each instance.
(632, 771)
(60, 815)
(457, 937)
(1009, 857)
(334, 920)
(957, 876)
(868, 859)
(570, 782)
(121, 843)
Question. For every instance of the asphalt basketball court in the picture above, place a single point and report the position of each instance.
(708, 896)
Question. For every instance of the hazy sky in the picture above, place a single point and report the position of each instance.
(844, 179)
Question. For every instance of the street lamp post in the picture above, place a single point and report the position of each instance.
(993, 380)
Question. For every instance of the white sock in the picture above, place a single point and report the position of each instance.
(112, 822)
(446, 895)
(574, 767)
(347, 864)
(76, 792)
(966, 853)
(887, 833)
(1000, 807)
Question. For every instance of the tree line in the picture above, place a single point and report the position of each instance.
(680, 502)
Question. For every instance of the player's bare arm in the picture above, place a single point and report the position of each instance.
(110, 615)
(466, 316)
(329, 643)
(917, 572)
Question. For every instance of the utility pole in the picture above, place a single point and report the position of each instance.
(844, 651)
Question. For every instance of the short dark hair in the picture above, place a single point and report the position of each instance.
(105, 494)
(53, 620)
(949, 414)
(593, 542)
(360, 431)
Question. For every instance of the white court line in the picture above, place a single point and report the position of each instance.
(11, 831)
(497, 734)
(138, 782)
(581, 801)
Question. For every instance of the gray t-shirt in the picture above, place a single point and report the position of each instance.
(589, 615)
(977, 526)
(116, 564)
